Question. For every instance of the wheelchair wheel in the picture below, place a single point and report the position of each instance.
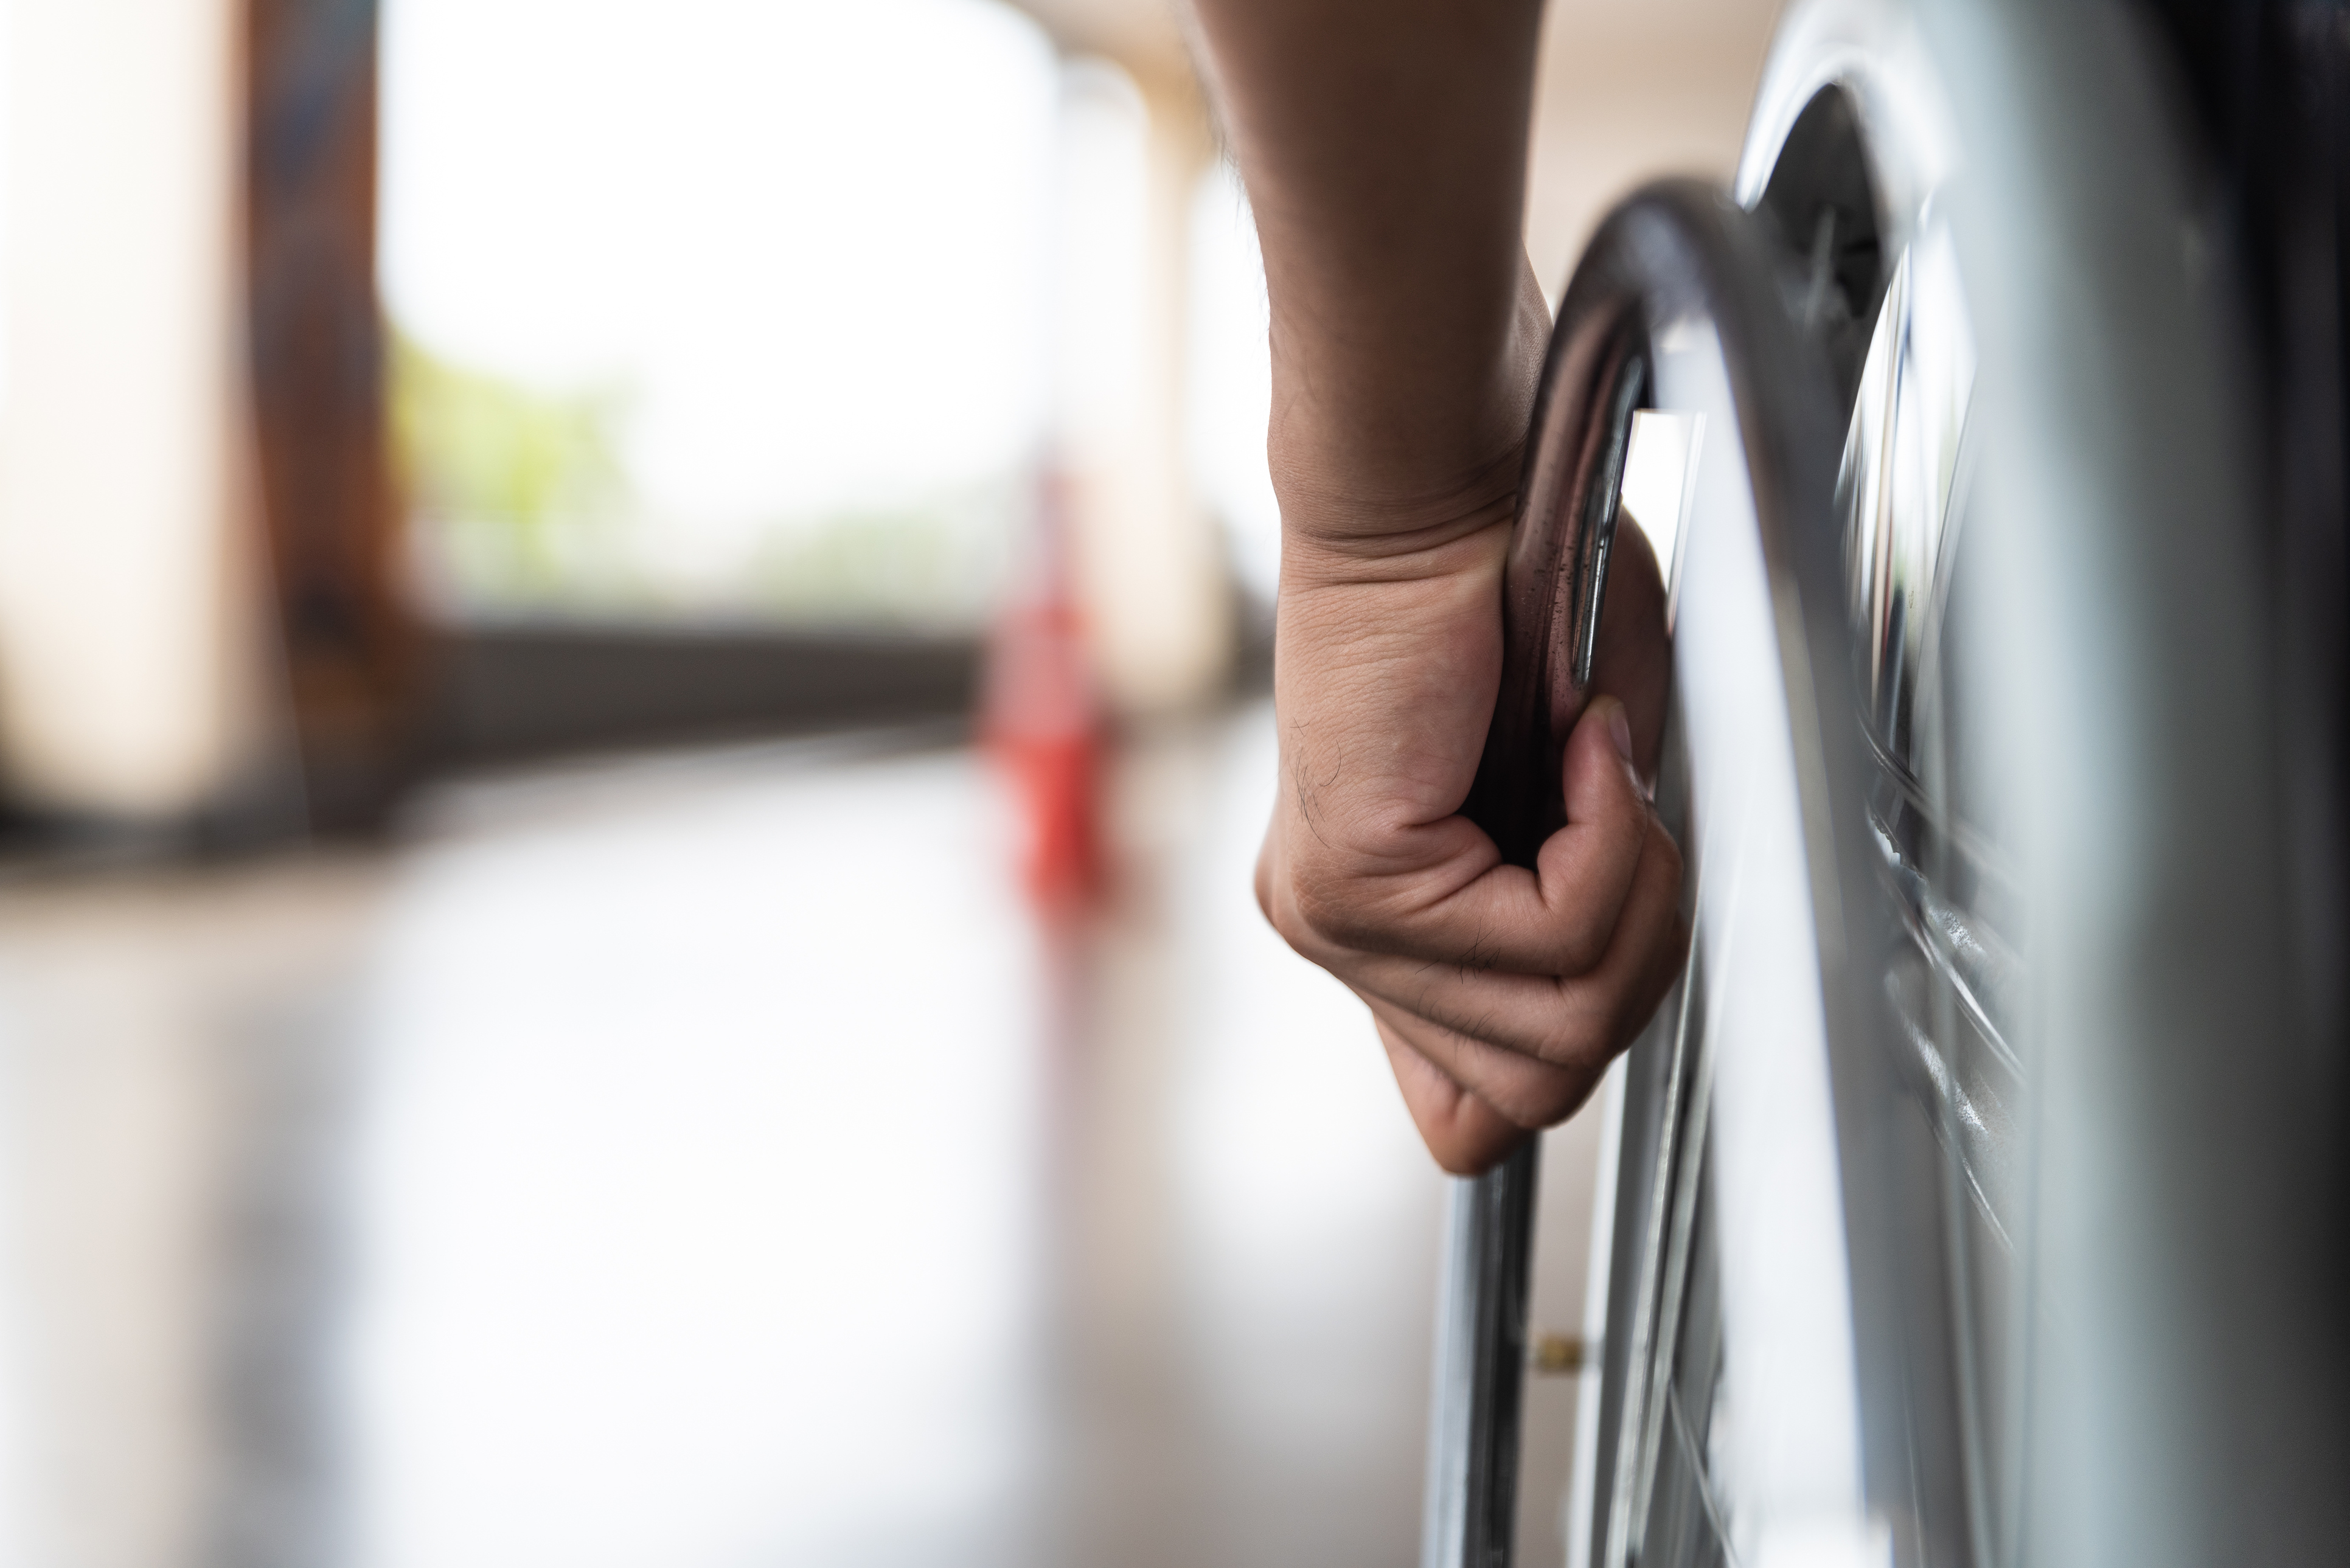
(1975, 1202)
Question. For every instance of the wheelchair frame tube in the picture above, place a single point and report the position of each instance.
(1470, 1517)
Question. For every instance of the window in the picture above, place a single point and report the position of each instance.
(716, 308)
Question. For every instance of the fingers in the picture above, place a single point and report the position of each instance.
(1586, 868)
(1464, 1134)
(1472, 1095)
(1441, 893)
(1562, 1020)
(1500, 991)
(1473, 1103)
(1521, 1091)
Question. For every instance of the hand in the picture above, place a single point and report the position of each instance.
(1383, 147)
(1500, 993)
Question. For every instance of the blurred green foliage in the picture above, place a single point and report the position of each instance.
(939, 564)
(521, 502)
(493, 457)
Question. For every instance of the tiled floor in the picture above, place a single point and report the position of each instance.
(707, 1160)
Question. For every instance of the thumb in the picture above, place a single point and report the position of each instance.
(1602, 787)
(1586, 868)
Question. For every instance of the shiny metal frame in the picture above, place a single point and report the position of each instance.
(2039, 814)
(2038, 372)
(1727, 1171)
(1554, 590)
(2105, 705)
(1470, 1512)
(1679, 272)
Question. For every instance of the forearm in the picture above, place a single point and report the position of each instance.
(1383, 143)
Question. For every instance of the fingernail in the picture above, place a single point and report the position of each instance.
(1619, 730)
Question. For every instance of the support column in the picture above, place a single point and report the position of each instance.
(131, 686)
(1151, 570)
(319, 388)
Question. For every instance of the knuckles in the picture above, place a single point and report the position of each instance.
(1323, 905)
(1583, 943)
(1321, 902)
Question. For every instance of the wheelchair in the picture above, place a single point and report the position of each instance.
(1977, 1199)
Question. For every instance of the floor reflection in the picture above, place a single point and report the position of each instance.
(706, 1160)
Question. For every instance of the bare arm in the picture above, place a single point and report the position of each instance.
(1382, 145)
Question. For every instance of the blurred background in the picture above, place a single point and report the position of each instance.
(633, 638)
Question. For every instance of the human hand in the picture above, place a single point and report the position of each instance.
(1501, 994)
(1384, 145)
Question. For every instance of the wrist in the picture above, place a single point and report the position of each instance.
(1362, 469)
(1333, 514)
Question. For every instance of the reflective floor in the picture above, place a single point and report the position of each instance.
(707, 1160)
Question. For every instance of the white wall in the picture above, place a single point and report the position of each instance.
(129, 682)
(1629, 91)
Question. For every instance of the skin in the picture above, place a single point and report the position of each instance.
(1383, 143)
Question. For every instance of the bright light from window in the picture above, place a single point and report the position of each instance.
(1101, 304)
(1230, 385)
(768, 261)
(1660, 461)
